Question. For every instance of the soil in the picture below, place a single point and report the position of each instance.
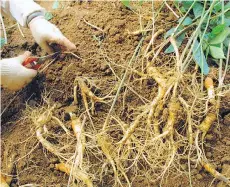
(97, 51)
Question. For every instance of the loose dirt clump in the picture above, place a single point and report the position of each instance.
(120, 114)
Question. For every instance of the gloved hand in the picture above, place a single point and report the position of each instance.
(46, 33)
(14, 75)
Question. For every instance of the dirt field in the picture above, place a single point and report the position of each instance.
(104, 56)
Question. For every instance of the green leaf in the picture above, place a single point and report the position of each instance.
(216, 52)
(227, 41)
(179, 41)
(55, 4)
(227, 6)
(126, 3)
(217, 6)
(169, 32)
(198, 9)
(215, 21)
(218, 29)
(227, 22)
(48, 16)
(199, 58)
(187, 4)
(183, 10)
(187, 21)
(2, 42)
(227, 14)
(220, 37)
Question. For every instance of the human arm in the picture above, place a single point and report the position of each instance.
(30, 14)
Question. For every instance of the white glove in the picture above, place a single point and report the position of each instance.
(14, 75)
(46, 33)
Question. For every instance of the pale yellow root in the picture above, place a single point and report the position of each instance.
(77, 127)
(206, 123)
(156, 100)
(77, 173)
(209, 85)
(3, 182)
(159, 78)
(44, 118)
(174, 107)
(108, 150)
(86, 91)
(138, 32)
(209, 168)
(50, 147)
(152, 40)
(189, 120)
(211, 116)
(61, 124)
(131, 129)
(75, 95)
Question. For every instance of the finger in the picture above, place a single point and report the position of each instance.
(46, 47)
(28, 74)
(24, 56)
(64, 42)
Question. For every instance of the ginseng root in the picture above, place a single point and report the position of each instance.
(50, 147)
(153, 105)
(209, 168)
(131, 129)
(174, 107)
(5, 180)
(77, 127)
(210, 88)
(108, 150)
(45, 117)
(211, 116)
(85, 91)
(77, 173)
(158, 77)
(206, 123)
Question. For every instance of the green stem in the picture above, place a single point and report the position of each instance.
(221, 46)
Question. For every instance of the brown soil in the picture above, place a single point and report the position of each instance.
(34, 164)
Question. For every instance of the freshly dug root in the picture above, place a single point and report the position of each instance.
(3, 182)
(85, 91)
(138, 32)
(77, 127)
(206, 123)
(174, 107)
(158, 77)
(88, 92)
(6, 180)
(50, 147)
(61, 124)
(45, 117)
(132, 128)
(210, 88)
(189, 120)
(209, 168)
(211, 116)
(77, 173)
(156, 100)
(108, 150)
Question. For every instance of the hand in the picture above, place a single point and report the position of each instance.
(46, 33)
(14, 75)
